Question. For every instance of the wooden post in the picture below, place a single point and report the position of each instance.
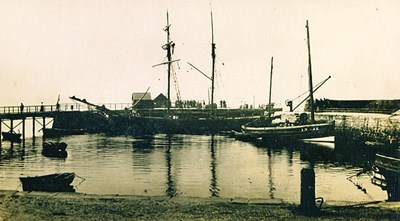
(33, 127)
(44, 124)
(11, 125)
(307, 195)
(23, 132)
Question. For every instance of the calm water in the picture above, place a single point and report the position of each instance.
(187, 165)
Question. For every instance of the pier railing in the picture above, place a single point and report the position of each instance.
(62, 107)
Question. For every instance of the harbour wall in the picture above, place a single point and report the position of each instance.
(349, 127)
(361, 127)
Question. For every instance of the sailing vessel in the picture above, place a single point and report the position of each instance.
(189, 121)
(136, 121)
(302, 128)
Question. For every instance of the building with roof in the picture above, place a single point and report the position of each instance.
(142, 101)
(161, 101)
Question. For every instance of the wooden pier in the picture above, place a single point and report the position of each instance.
(14, 117)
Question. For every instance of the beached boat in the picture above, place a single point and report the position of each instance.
(58, 182)
(11, 136)
(55, 149)
(302, 128)
(386, 173)
(388, 162)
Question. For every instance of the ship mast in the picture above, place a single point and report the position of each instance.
(310, 75)
(213, 65)
(167, 47)
(270, 89)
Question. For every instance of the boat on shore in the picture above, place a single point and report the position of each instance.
(386, 173)
(11, 136)
(58, 182)
(55, 149)
(303, 128)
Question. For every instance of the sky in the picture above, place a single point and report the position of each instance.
(104, 50)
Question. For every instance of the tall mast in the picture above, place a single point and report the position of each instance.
(270, 88)
(310, 75)
(213, 64)
(169, 57)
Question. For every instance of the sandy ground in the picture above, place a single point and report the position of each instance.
(76, 206)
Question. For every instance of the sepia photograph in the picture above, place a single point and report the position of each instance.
(199, 110)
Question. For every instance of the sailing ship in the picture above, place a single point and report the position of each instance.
(134, 121)
(302, 128)
(181, 120)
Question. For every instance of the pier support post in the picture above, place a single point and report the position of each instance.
(307, 201)
(33, 127)
(44, 124)
(11, 125)
(23, 132)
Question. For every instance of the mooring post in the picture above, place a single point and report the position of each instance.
(307, 195)
(23, 132)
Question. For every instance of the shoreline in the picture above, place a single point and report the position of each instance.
(17, 205)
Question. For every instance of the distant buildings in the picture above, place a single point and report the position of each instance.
(142, 101)
(160, 101)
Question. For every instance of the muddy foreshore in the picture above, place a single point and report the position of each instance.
(77, 206)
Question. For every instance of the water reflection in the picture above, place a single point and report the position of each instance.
(194, 166)
(213, 186)
(270, 176)
(171, 189)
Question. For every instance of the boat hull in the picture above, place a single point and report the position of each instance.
(54, 149)
(282, 133)
(58, 132)
(387, 174)
(10, 136)
(59, 182)
(148, 125)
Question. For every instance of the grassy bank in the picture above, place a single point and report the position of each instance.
(74, 206)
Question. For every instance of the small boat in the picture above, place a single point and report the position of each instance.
(58, 132)
(303, 128)
(386, 173)
(58, 182)
(387, 162)
(56, 149)
(11, 136)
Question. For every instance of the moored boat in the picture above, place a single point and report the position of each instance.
(59, 132)
(302, 128)
(55, 149)
(282, 131)
(58, 182)
(11, 136)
